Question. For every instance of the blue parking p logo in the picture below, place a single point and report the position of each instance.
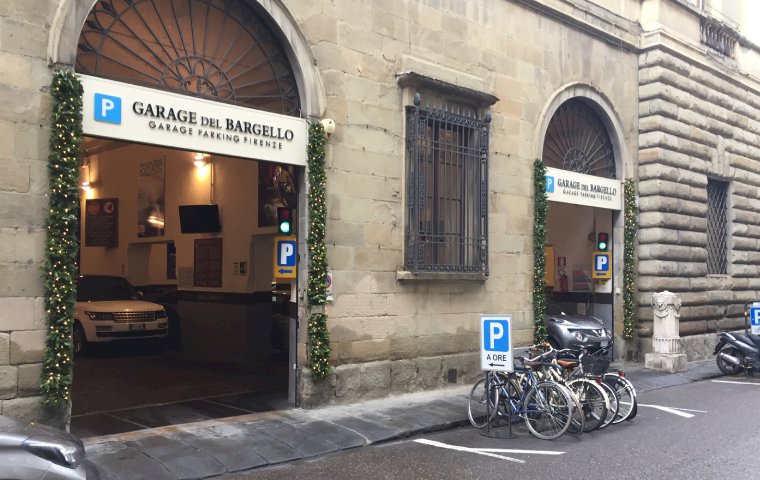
(549, 184)
(107, 108)
(754, 316)
(496, 335)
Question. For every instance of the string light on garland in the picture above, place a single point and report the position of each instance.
(629, 259)
(62, 251)
(541, 207)
(319, 338)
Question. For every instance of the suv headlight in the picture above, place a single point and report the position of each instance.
(100, 315)
(60, 453)
(160, 314)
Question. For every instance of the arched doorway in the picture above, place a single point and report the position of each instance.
(184, 210)
(585, 198)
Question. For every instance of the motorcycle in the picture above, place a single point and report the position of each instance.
(737, 352)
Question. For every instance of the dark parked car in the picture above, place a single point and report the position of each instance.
(573, 330)
(38, 452)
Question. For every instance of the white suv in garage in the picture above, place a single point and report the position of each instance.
(109, 308)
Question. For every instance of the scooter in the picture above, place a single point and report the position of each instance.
(737, 352)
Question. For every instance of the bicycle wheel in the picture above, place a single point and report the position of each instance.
(478, 410)
(577, 419)
(626, 395)
(594, 402)
(547, 410)
(614, 405)
(509, 396)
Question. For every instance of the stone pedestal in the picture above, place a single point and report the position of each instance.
(666, 342)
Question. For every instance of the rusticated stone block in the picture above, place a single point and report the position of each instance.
(429, 372)
(24, 409)
(17, 313)
(5, 348)
(403, 376)
(29, 379)
(314, 393)
(375, 379)
(8, 382)
(347, 382)
(27, 346)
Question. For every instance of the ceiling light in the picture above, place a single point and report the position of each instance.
(200, 159)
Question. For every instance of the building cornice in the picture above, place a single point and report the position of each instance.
(590, 19)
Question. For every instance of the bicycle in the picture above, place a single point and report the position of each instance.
(596, 365)
(544, 406)
(594, 399)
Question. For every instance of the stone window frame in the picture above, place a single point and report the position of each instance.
(438, 92)
(721, 239)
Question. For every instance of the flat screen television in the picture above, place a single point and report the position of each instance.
(199, 219)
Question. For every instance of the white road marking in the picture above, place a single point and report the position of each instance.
(673, 410)
(488, 452)
(689, 410)
(514, 450)
(736, 382)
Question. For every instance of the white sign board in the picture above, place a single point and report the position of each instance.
(144, 115)
(496, 342)
(754, 318)
(579, 189)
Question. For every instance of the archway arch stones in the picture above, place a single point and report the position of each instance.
(608, 115)
(71, 14)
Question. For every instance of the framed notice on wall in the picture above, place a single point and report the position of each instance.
(101, 222)
(150, 198)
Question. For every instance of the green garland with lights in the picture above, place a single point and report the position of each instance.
(62, 248)
(629, 259)
(319, 337)
(541, 208)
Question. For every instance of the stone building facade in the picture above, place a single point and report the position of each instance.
(698, 158)
(677, 112)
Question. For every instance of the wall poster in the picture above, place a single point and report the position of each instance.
(150, 198)
(101, 223)
(276, 189)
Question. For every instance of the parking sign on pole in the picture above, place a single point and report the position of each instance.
(496, 342)
(754, 318)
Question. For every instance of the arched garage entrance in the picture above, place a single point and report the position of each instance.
(585, 200)
(194, 137)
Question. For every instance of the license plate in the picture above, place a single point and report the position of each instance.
(137, 326)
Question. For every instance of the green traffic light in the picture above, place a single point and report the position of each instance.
(284, 227)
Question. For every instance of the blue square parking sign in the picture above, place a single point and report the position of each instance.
(107, 108)
(496, 335)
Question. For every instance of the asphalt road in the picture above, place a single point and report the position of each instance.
(703, 430)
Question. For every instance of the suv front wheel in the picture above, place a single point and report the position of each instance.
(78, 339)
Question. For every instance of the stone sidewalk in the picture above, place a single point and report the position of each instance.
(208, 449)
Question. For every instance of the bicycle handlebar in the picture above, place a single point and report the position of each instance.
(540, 357)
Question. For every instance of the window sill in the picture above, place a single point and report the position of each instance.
(407, 276)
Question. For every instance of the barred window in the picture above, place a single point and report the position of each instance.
(447, 185)
(717, 227)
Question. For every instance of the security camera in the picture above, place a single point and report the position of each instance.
(329, 125)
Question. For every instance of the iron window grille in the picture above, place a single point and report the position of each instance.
(717, 227)
(447, 186)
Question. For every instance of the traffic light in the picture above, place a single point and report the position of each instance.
(284, 220)
(602, 241)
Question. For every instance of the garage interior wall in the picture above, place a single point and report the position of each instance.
(143, 260)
